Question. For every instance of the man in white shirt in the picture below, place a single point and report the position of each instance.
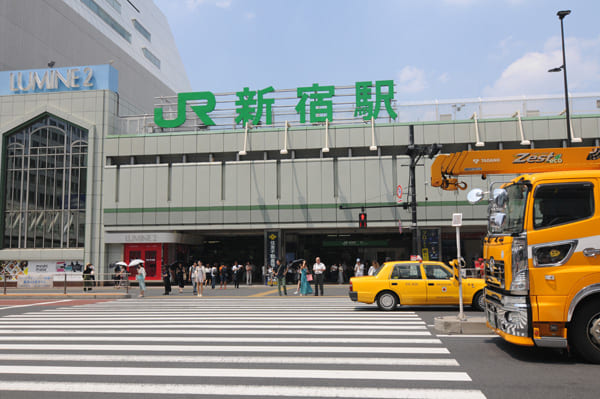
(319, 272)
(359, 268)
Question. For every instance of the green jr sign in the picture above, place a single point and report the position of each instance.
(316, 99)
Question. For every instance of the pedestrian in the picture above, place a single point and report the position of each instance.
(213, 275)
(223, 276)
(374, 268)
(249, 269)
(333, 271)
(237, 274)
(87, 277)
(141, 278)
(341, 273)
(299, 274)
(271, 275)
(319, 274)
(359, 268)
(479, 267)
(117, 277)
(179, 275)
(265, 275)
(191, 278)
(305, 288)
(280, 272)
(93, 275)
(200, 275)
(166, 277)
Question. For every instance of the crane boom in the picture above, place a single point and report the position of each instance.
(446, 167)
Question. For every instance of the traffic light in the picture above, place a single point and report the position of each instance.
(362, 220)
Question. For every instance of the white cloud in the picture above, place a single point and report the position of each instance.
(223, 3)
(529, 74)
(443, 78)
(193, 4)
(411, 80)
(250, 15)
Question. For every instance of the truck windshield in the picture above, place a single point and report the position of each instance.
(507, 209)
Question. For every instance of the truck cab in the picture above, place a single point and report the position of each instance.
(542, 261)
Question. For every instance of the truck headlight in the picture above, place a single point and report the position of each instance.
(520, 271)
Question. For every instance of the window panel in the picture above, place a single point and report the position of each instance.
(45, 186)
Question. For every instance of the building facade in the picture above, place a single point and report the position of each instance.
(84, 184)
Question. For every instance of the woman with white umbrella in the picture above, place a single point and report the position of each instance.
(120, 273)
(141, 275)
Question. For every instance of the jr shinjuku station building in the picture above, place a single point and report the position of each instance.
(109, 156)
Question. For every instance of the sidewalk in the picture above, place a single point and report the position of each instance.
(156, 291)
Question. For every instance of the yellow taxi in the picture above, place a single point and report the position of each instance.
(416, 283)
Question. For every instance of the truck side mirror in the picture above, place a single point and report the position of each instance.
(475, 195)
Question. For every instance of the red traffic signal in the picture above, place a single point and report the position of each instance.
(362, 220)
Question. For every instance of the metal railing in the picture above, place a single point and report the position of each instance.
(344, 112)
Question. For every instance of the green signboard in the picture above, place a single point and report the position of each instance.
(315, 104)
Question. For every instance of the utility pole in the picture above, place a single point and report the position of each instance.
(413, 189)
(416, 152)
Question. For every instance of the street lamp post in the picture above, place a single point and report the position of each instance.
(561, 15)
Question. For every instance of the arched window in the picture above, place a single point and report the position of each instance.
(46, 181)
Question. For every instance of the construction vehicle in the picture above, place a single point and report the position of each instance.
(542, 250)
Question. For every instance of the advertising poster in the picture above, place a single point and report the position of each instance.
(12, 269)
(430, 244)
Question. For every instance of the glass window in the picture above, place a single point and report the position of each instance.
(507, 209)
(151, 57)
(556, 204)
(114, 4)
(437, 272)
(45, 194)
(140, 28)
(406, 271)
(110, 21)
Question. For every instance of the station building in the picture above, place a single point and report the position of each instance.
(108, 161)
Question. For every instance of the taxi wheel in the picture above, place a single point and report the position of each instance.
(387, 301)
(479, 301)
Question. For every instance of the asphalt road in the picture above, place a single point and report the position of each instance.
(247, 347)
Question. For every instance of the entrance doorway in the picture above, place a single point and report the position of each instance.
(150, 254)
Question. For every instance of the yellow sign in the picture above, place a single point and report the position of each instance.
(554, 253)
(425, 252)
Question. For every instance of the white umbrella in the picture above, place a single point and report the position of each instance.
(135, 262)
(121, 263)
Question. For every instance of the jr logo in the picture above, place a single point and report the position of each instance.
(200, 110)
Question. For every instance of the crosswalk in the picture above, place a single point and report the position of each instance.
(242, 347)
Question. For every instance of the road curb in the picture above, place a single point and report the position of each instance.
(453, 325)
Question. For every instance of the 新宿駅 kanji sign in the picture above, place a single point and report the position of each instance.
(314, 104)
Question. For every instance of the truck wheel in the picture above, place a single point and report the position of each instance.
(387, 301)
(479, 301)
(584, 336)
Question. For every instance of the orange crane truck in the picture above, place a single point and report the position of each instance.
(542, 250)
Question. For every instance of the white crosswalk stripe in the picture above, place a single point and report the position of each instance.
(246, 347)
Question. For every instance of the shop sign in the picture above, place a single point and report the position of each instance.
(79, 78)
(356, 243)
(272, 247)
(314, 105)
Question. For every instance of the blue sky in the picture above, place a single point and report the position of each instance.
(432, 49)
